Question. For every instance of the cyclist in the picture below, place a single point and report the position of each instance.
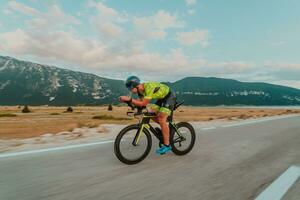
(166, 101)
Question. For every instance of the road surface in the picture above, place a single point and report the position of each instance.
(233, 162)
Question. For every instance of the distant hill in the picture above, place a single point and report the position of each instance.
(217, 91)
(29, 83)
(34, 84)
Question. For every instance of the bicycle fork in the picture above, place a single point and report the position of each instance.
(138, 134)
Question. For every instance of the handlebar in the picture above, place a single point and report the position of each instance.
(133, 107)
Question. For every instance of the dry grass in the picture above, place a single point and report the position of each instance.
(109, 117)
(55, 113)
(7, 115)
(46, 119)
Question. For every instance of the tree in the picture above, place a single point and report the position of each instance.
(69, 109)
(26, 109)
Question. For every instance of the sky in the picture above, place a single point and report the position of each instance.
(158, 40)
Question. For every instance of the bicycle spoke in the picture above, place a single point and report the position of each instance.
(182, 138)
(130, 150)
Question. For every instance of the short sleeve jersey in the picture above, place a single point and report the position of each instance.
(155, 90)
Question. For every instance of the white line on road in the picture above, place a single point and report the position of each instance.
(281, 185)
(256, 121)
(6, 155)
(208, 128)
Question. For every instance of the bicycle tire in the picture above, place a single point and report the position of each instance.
(118, 139)
(193, 138)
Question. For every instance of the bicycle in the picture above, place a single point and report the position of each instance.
(134, 142)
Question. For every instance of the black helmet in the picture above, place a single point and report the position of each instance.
(132, 82)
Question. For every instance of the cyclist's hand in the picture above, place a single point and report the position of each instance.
(124, 98)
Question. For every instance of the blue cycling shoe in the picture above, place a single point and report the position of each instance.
(164, 149)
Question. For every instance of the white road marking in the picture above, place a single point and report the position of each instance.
(281, 185)
(256, 121)
(208, 128)
(6, 155)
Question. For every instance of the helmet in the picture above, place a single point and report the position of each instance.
(132, 82)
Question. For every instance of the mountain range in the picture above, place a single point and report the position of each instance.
(27, 83)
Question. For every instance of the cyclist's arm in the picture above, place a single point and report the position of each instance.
(140, 103)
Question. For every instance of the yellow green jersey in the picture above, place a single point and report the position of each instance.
(155, 90)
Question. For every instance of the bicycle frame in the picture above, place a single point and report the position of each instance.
(145, 123)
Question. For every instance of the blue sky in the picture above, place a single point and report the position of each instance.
(162, 40)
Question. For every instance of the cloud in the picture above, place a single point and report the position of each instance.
(53, 18)
(190, 2)
(283, 71)
(233, 67)
(108, 13)
(276, 73)
(193, 38)
(60, 45)
(41, 39)
(108, 21)
(98, 56)
(284, 65)
(294, 84)
(44, 37)
(13, 5)
(155, 26)
(105, 11)
(163, 20)
(107, 29)
(13, 42)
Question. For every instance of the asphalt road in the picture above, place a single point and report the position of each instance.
(232, 163)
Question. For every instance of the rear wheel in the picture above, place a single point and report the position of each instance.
(126, 151)
(182, 142)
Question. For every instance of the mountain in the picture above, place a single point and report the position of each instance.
(217, 91)
(29, 83)
(34, 84)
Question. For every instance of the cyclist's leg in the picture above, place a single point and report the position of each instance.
(164, 111)
(154, 118)
(162, 119)
(154, 108)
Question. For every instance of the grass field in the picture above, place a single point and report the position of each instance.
(44, 119)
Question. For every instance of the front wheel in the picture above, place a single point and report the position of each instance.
(182, 139)
(129, 152)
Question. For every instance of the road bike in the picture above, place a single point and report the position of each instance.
(134, 142)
